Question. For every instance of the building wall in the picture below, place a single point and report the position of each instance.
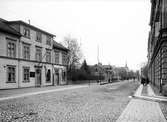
(32, 41)
(157, 46)
(5, 61)
(19, 62)
(164, 63)
(3, 71)
(47, 66)
(3, 43)
(32, 79)
(60, 69)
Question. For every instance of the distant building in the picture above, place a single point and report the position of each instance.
(102, 70)
(157, 43)
(29, 56)
(116, 74)
(108, 73)
(120, 72)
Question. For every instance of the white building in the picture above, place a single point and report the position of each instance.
(28, 57)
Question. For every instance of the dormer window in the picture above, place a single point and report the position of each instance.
(48, 40)
(26, 32)
(38, 37)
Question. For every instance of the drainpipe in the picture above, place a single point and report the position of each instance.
(161, 26)
(19, 63)
(19, 56)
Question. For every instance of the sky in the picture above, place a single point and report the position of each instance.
(118, 27)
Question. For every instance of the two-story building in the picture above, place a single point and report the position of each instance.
(157, 43)
(60, 61)
(28, 58)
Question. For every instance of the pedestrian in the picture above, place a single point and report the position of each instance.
(142, 81)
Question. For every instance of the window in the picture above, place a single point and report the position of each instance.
(38, 36)
(26, 74)
(64, 58)
(56, 57)
(48, 76)
(26, 32)
(38, 54)
(11, 48)
(11, 74)
(48, 40)
(26, 51)
(48, 55)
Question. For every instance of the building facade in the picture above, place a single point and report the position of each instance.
(157, 44)
(103, 71)
(27, 56)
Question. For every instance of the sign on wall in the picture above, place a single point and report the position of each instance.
(32, 74)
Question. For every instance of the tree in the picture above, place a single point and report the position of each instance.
(74, 55)
(122, 73)
(85, 67)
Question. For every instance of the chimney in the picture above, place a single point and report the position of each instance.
(29, 21)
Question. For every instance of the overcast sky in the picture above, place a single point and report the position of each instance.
(119, 27)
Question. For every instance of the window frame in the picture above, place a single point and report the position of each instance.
(25, 30)
(40, 57)
(56, 56)
(23, 53)
(48, 40)
(64, 58)
(47, 54)
(27, 80)
(7, 72)
(9, 40)
(38, 36)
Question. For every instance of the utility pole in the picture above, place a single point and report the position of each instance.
(98, 64)
(98, 54)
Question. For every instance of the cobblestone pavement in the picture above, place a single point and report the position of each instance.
(13, 96)
(139, 110)
(97, 103)
(163, 104)
(15, 92)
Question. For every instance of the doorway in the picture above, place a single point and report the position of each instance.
(38, 78)
(56, 77)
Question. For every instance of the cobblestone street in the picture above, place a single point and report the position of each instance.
(97, 103)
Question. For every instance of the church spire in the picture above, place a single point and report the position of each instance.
(126, 64)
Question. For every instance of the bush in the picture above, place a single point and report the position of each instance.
(80, 75)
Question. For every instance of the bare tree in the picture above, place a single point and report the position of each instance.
(75, 54)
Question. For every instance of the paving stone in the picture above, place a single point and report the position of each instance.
(89, 104)
(142, 110)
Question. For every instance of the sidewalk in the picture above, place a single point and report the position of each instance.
(143, 109)
(24, 92)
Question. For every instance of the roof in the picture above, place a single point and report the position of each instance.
(59, 46)
(31, 26)
(7, 29)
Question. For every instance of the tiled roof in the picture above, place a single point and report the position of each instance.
(31, 26)
(7, 29)
(59, 46)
